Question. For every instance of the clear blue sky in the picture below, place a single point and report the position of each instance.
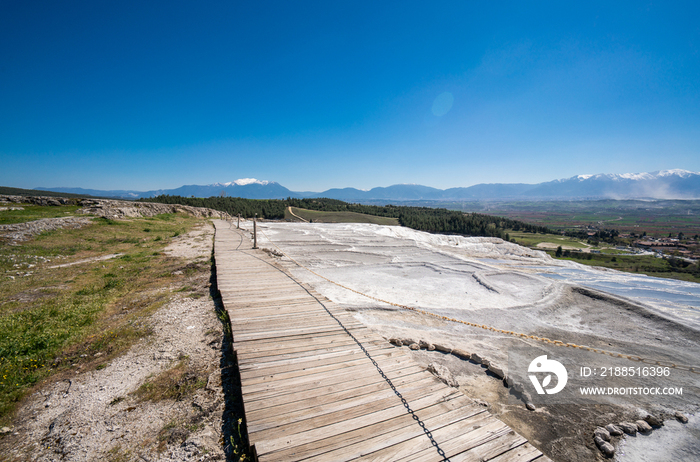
(314, 95)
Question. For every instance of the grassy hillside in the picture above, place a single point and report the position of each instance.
(56, 317)
(34, 212)
(656, 218)
(671, 268)
(7, 191)
(608, 256)
(339, 217)
(532, 240)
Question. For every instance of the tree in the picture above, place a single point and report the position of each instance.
(558, 252)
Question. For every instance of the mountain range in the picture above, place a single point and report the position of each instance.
(664, 184)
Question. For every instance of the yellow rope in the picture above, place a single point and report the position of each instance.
(693, 369)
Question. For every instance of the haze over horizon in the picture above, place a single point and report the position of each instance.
(318, 95)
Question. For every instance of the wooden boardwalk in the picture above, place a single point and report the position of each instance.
(317, 384)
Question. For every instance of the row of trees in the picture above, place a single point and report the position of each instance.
(334, 205)
(268, 208)
(470, 224)
(611, 236)
(419, 218)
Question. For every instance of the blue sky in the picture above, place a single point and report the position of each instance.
(314, 95)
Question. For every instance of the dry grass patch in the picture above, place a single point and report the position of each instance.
(176, 383)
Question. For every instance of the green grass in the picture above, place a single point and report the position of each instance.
(641, 264)
(656, 218)
(340, 217)
(58, 320)
(34, 212)
(531, 239)
(608, 257)
(5, 190)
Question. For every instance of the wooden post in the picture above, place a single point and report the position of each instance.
(255, 231)
(238, 226)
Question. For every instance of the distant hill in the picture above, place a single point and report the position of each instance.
(665, 184)
(5, 190)
(398, 192)
(240, 188)
(247, 188)
(80, 192)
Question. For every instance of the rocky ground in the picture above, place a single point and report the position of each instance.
(112, 413)
(19, 232)
(115, 209)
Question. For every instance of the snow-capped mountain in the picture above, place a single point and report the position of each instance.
(243, 182)
(664, 184)
(248, 188)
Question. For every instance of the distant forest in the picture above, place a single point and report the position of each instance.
(434, 220)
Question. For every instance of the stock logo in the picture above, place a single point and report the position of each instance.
(549, 366)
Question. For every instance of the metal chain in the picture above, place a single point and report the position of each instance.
(388, 380)
(693, 369)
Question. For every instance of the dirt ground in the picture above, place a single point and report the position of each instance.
(102, 414)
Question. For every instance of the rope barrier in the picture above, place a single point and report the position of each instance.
(693, 369)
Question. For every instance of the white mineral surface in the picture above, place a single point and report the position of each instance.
(489, 281)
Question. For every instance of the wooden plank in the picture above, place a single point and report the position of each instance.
(281, 311)
(257, 315)
(302, 390)
(298, 392)
(299, 351)
(305, 361)
(290, 435)
(490, 449)
(282, 373)
(292, 348)
(345, 446)
(278, 324)
(373, 443)
(356, 372)
(292, 326)
(330, 336)
(473, 441)
(422, 444)
(273, 334)
(267, 408)
(333, 392)
(279, 417)
(524, 453)
(331, 339)
(295, 322)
